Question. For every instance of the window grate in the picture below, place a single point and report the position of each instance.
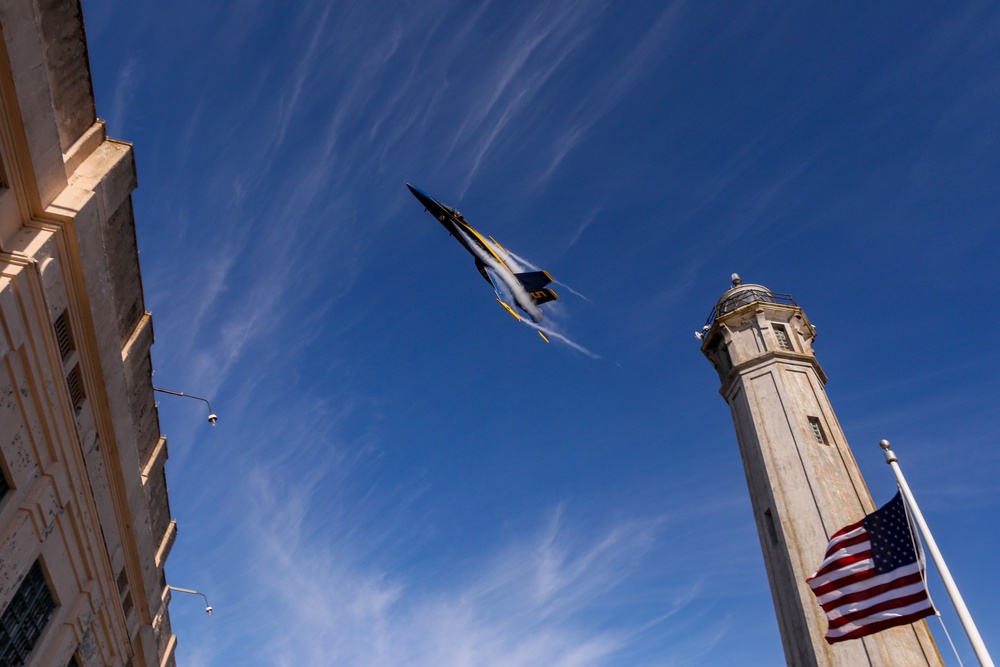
(817, 430)
(64, 335)
(782, 335)
(75, 383)
(25, 617)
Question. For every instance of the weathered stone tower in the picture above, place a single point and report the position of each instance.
(804, 482)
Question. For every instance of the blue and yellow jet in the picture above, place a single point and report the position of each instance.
(527, 291)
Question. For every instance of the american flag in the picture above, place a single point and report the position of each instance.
(872, 577)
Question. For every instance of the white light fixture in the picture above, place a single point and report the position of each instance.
(208, 607)
(212, 417)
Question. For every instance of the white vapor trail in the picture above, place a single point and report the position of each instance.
(521, 294)
(555, 334)
(531, 266)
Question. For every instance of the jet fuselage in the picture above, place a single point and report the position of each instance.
(526, 290)
(455, 223)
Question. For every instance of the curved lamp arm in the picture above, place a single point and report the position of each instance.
(212, 417)
(208, 607)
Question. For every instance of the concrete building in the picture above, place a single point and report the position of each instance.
(85, 522)
(803, 479)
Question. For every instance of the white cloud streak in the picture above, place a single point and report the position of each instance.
(124, 92)
(615, 85)
(529, 603)
(531, 57)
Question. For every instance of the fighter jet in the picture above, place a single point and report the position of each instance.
(526, 291)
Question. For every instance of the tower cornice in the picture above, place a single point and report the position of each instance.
(791, 358)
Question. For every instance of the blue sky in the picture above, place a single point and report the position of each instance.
(402, 474)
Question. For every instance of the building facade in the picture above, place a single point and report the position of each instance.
(804, 482)
(85, 523)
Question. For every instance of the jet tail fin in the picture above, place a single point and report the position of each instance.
(543, 295)
(534, 281)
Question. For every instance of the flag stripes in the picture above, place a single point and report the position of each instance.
(871, 577)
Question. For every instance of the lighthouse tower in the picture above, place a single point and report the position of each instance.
(804, 482)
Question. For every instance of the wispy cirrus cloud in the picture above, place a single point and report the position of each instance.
(535, 53)
(614, 84)
(336, 599)
(125, 89)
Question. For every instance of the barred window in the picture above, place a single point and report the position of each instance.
(817, 430)
(782, 335)
(25, 618)
(76, 394)
(64, 335)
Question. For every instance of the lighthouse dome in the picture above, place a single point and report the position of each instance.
(741, 295)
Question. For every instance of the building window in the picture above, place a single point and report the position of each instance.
(817, 430)
(784, 342)
(4, 486)
(75, 382)
(73, 662)
(127, 604)
(122, 582)
(25, 618)
(64, 335)
(124, 592)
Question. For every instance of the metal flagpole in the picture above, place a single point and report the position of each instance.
(949, 584)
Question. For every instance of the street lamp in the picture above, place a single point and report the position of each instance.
(208, 607)
(212, 417)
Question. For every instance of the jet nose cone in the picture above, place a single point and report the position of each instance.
(422, 196)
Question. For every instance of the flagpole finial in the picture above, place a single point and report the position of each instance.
(890, 456)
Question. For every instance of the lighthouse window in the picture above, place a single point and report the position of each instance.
(817, 430)
(782, 335)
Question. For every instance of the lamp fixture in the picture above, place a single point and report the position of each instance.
(212, 417)
(208, 607)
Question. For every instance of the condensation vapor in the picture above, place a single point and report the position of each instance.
(517, 290)
(517, 265)
(555, 334)
(531, 266)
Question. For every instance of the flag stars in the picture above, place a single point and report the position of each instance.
(891, 540)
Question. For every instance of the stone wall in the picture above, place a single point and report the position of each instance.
(80, 450)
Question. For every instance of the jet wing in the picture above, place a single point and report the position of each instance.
(503, 296)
